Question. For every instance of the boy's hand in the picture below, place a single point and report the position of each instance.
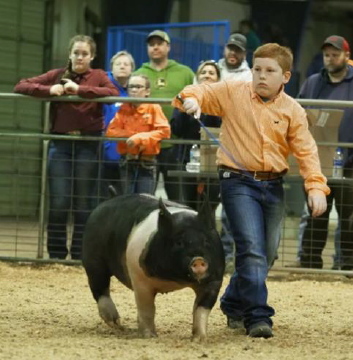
(317, 202)
(133, 141)
(130, 142)
(192, 107)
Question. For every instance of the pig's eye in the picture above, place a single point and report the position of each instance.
(178, 242)
(179, 239)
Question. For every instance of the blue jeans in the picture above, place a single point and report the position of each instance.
(138, 177)
(72, 175)
(255, 211)
(227, 238)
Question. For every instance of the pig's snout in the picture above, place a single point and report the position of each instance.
(199, 266)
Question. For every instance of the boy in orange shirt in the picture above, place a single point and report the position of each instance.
(260, 126)
(145, 125)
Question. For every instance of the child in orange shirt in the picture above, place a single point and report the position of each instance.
(261, 125)
(144, 126)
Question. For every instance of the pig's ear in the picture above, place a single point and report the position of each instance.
(206, 215)
(165, 220)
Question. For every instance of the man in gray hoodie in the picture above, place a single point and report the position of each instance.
(234, 65)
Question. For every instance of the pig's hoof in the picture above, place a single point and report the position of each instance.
(115, 325)
(147, 334)
(199, 338)
(108, 312)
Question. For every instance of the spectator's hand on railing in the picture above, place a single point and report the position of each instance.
(317, 202)
(131, 143)
(56, 90)
(70, 87)
(192, 107)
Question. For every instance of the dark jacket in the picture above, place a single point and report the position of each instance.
(319, 86)
(186, 127)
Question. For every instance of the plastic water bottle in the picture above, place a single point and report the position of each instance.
(337, 170)
(194, 164)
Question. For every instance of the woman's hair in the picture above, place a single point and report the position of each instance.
(120, 53)
(147, 80)
(78, 38)
(208, 62)
(282, 54)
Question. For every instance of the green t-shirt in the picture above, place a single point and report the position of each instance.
(168, 82)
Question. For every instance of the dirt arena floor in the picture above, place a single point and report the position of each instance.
(47, 312)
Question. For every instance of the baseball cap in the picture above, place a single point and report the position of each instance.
(237, 40)
(159, 33)
(338, 42)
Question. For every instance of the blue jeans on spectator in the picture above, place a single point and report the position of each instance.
(72, 175)
(255, 211)
(138, 176)
(168, 159)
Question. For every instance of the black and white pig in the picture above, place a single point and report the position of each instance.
(153, 246)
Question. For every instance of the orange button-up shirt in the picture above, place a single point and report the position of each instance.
(145, 124)
(258, 134)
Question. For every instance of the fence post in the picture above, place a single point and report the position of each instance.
(43, 186)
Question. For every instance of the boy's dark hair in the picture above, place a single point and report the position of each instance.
(282, 54)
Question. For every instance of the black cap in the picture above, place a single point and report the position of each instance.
(238, 40)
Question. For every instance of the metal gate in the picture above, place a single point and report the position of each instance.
(190, 42)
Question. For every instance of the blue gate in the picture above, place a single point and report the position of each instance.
(190, 42)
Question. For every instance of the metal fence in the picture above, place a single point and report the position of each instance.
(24, 217)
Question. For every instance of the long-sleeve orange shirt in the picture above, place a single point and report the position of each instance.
(258, 134)
(146, 125)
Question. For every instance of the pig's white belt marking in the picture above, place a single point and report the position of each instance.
(137, 241)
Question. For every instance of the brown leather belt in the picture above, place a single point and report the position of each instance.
(256, 175)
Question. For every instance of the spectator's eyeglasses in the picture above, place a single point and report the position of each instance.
(136, 86)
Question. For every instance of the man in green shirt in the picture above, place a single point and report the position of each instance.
(167, 78)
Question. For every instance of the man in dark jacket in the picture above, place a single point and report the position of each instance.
(334, 82)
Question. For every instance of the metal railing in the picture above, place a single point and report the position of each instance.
(288, 247)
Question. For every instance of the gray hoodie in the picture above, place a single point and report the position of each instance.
(243, 72)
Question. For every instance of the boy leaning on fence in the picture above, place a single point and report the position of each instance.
(260, 126)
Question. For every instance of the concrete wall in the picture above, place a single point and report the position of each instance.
(210, 10)
(69, 20)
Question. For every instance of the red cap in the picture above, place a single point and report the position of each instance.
(338, 42)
